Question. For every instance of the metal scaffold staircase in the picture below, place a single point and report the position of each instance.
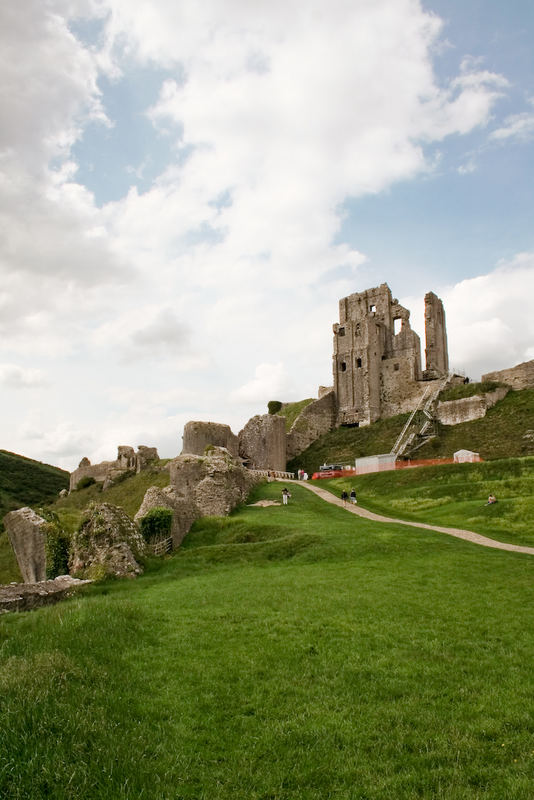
(421, 425)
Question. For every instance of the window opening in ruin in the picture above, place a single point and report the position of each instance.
(372, 309)
(358, 362)
(341, 332)
(350, 424)
(343, 366)
(397, 325)
(396, 367)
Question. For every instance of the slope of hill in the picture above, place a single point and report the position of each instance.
(506, 431)
(24, 482)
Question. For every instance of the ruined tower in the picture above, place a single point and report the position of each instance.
(377, 355)
(436, 353)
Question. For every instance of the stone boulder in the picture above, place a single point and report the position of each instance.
(107, 543)
(215, 483)
(24, 529)
(184, 510)
(199, 435)
(262, 442)
(27, 596)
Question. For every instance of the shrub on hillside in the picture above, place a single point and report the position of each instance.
(156, 524)
(57, 545)
(84, 482)
(274, 406)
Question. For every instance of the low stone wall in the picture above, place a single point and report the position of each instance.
(519, 377)
(466, 409)
(314, 420)
(107, 471)
(27, 596)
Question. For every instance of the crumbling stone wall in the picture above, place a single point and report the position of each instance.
(107, 471)
(314, 420)
(262, 442)
(377, 355)
(519, 377)
(185, 512)
(466, 409)
(198, 435)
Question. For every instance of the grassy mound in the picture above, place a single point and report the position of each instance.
(377, 661)
(291, 411)
(24, 482)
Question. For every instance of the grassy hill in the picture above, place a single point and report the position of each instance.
(24, 482)
(506, 431)
(290, 653)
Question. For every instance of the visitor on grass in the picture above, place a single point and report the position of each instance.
(344, 497)
(285, 495)
(353, 496)
(491, 500)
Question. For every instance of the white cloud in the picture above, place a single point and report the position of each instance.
(270, 382)
(16, 377)
(516, 126)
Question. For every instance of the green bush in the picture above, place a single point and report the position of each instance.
(84, 482)
(274, 406)
(57, 545)
(156, 524)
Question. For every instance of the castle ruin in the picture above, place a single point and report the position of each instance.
(377, 356)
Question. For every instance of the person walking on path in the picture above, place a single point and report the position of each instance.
(344, 497)
(285, 495)
(353, 497)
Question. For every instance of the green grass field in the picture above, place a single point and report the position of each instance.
(282, 654)
(454, 495)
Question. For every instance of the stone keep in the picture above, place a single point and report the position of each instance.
(377, 356)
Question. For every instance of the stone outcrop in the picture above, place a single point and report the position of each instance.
(519, 377)
(184, 510)
(215, 483)
(27, 596)
(24, 529)
(436, 351)
(315, 419)
(107, 543)
(108, 471)
(466, 409)
(262, 442)
(199, 435)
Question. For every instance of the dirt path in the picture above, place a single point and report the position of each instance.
(458, 532)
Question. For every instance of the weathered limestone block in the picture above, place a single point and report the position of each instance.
(466, 409)
(28, 542)
(145, 455)
(126, 457)
(199, 435)
(27, 596)
(262, 442)
(314, 420)
(216, 483)
(519, 377)
(108, 539)
(184, 510)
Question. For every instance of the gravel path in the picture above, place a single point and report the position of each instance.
(458, 532)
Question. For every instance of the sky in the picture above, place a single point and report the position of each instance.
(187, 190)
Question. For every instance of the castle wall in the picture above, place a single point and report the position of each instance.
(519, 377)
(198, 435)
(466, 409)
(262, 442)
(315, 419)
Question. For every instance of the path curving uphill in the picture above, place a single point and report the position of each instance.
(469, 536)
